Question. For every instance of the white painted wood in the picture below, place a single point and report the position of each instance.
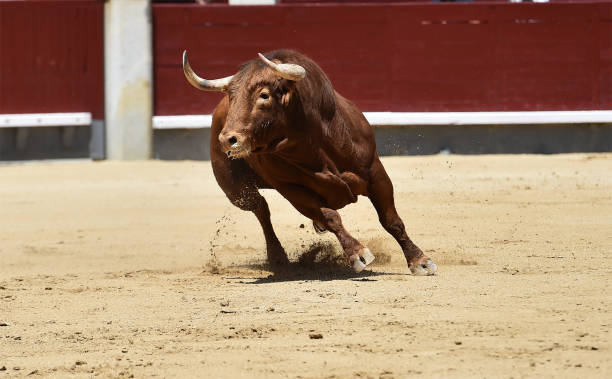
(252, 2)
(488, 118)
(182, 122)
(428, 118)
(31, 120)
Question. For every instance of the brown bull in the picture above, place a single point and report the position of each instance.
(281, 125)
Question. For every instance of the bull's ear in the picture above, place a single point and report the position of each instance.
(286, 97)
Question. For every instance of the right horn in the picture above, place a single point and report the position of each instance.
(285, 70)
(203, 84)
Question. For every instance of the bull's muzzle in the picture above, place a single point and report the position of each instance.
(235, 145)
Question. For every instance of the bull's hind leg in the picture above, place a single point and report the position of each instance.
(312, 206)
(239, 183)
(381, 194)
(358, 255)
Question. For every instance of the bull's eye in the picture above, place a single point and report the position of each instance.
(264, 95)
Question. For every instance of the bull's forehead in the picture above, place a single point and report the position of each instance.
(251, 78)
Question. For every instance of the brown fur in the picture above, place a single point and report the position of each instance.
(306, 141)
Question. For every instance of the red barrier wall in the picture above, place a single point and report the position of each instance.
(401, 57)
(52, 57)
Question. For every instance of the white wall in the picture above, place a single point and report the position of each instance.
(128, 79)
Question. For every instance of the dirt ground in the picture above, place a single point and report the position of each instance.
(144, 269)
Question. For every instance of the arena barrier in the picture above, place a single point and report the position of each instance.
(51, 79)
(479, 77)
(401, 57)
(404, 64)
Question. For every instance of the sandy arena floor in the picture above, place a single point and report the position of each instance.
(108, 269)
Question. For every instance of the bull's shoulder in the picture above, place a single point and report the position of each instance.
(350, 135)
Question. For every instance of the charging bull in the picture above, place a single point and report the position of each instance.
(282, 125)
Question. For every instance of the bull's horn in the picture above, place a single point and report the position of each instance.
(286, 70)
(203, 84)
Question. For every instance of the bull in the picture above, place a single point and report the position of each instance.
(281, 125)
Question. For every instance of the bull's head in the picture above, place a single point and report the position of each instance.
(259, 95)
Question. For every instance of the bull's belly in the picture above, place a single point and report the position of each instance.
(335, 189)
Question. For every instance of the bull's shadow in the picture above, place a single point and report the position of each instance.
(319, 262)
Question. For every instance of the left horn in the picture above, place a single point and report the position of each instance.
(285, 70)
(203, 84)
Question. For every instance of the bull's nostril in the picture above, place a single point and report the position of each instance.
(232, 140)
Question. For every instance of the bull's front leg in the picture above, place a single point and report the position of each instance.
(312, 206)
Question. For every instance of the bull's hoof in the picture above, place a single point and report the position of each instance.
(362, 259)
(277, 258)
(279, 262)
(320, 229)
(423, 267)
(367, 256)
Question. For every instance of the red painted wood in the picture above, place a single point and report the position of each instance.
(402, 57)
(52, 57)
(604, 72)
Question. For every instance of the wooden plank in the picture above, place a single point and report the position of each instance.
(604, 72)
(403, 56)
(441, 58)
(51, 57)
(544, 57)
